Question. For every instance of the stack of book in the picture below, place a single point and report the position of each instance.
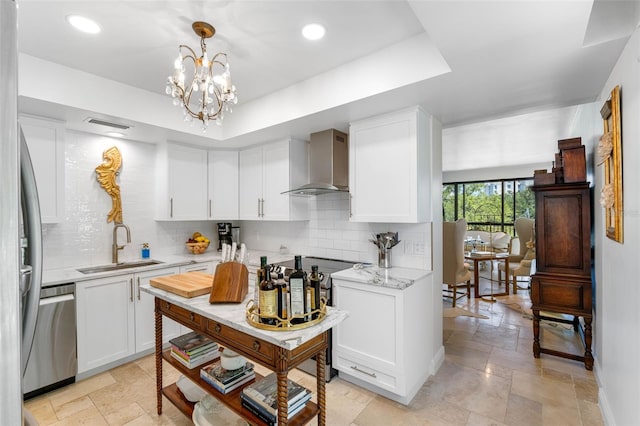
(261, 398)
(227, 380)
(193, 350)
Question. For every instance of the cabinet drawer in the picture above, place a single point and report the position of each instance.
(561, 295)
(181, 315)
(241, 342)
(365, 373)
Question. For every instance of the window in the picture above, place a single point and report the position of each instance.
(490, 205)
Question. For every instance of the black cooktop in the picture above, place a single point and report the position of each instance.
(325, 266)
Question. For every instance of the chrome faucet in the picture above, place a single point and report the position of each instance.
(115, 247)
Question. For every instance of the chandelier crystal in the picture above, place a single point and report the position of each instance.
(208, 96)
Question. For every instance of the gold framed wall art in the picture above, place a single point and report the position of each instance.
(610, 155)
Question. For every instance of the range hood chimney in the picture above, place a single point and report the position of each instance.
(328, 164)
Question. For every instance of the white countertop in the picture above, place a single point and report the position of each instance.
(70, 275)
(399, 278)
(234, 315)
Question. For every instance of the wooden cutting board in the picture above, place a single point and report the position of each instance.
(190, 284)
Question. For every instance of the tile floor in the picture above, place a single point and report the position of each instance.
(489, 377)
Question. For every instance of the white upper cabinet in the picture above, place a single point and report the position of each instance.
(182, 183)
(390, 167)
(250, 178)
(268, 170)
(223, 185)
(45, 139)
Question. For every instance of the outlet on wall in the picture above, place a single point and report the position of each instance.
(408, 247)
(418, 248)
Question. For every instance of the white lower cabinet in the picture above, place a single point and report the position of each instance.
(144, 313)
(115, 319)
(386, 342)
(204, 267)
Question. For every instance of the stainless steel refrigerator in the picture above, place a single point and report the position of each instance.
(20, 231)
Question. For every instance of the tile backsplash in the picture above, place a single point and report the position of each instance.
(84, 237)
(329, 233)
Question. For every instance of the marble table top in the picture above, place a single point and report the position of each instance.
(234, 316)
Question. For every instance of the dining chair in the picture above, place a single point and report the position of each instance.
(522, 263)
(455, 271)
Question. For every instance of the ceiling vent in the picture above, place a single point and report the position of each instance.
(108, 124)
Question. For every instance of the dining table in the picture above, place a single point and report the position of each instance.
(482, 256)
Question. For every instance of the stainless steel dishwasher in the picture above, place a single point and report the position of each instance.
(53, 359)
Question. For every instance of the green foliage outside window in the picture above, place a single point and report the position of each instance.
(492, 205)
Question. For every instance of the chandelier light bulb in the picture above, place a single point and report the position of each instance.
(205, 62)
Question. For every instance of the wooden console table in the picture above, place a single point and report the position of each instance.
(226, 324)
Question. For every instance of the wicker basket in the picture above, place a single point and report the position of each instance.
(197, 248)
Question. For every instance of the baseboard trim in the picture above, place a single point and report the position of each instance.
(603, 401)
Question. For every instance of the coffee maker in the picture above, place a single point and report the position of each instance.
(224, 234)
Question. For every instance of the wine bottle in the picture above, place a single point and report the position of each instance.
(314, 285)
(259, 278)
(281, 288)
(268, 299)
(297, 292)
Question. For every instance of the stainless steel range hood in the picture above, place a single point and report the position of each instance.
(328, 164)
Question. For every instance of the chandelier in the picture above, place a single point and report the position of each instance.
(208, 95)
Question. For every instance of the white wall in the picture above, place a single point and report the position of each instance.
(84, 237)
(490, 173)
(617, 290)
(329, 233)
(466, 148)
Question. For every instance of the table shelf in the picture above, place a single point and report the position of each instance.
(230, 400)
(276, 358)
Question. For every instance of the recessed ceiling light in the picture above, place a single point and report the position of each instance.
(83, 24)
(115, 134)
(313, 31)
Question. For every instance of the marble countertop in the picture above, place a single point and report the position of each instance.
(52, 277)
(398, 278)
(234, 315)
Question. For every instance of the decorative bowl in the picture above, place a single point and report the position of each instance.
(197, 248)
(190, 390)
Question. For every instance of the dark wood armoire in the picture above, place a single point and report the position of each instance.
(562, 281)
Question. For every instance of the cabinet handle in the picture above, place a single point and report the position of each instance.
(262, 210)
(350, 212)
(167, 306)
(217, 328)
(258, 207)
(138, 288)
(131, 289)
(256, 345)
(171, 207)
(192, 317)
(209, 208)
(355, 367)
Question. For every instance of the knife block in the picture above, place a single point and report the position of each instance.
(230, 283)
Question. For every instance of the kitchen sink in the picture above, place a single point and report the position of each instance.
(118, 266)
